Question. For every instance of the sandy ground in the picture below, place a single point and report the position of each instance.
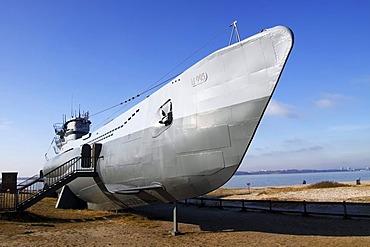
(43, 225)
(350, 193)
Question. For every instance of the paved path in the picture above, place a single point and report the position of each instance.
(218, 220)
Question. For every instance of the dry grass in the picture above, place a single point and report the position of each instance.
(327, 184)
(44, 225)
(274, 190)
(226, 192)
(45, 212)
(323, 191)
(222, 192)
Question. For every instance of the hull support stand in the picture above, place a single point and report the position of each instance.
(175, 230)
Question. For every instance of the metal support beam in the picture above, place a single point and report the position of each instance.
(175, 230)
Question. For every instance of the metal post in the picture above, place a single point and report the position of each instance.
(305, 208)
(345, 210)
(175, 230)
(16, 199)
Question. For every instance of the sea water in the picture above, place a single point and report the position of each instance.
(262, 180)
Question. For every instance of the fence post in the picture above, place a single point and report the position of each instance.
(345, 210)
(270, 205)
(16, 194)
(220, 205)
(243, 206)
(305, 208)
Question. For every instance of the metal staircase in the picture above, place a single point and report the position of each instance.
(39, 186)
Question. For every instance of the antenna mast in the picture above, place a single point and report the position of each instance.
(72, 106)
(235, 28)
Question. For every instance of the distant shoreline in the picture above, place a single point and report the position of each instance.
(263, 172)
(296, 171)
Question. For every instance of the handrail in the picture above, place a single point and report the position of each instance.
(28, 181)
(38, 186)
(22, 185)
(33, 188)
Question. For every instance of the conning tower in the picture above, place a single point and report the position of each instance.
(72, 129)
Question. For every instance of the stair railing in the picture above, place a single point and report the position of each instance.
(38, 184)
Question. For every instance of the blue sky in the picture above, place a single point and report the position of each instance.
(54, 54)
